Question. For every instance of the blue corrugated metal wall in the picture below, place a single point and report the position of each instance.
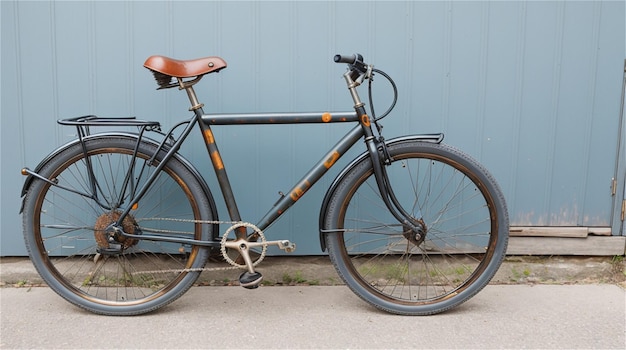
(532, 89)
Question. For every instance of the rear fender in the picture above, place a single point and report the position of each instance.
(433, 138)
(207, 192)
(29, 178)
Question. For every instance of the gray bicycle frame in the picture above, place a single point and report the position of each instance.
(376, 150)
(205, 121)
(307, 181)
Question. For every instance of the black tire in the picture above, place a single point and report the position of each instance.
(467, 230)
(64, 231)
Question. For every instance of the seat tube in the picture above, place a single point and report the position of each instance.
(220, 172)
(216, 158)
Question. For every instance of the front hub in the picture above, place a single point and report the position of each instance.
(415, 234)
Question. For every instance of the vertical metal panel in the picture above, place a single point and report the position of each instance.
(9, 124)
(619, 185)
(559, 98)
(532, 89)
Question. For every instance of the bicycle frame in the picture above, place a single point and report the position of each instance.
(375, 150)
(205, 121)
(307, 181)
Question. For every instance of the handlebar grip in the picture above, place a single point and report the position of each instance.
(345, 59)
(349, 59)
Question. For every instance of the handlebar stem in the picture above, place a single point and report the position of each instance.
(352, 85)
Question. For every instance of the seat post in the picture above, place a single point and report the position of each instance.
(190, 93)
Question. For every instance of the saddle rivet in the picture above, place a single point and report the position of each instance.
(211, 64)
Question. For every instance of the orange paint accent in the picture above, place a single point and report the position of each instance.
(365, 120)
(331, 160)
(217, 160)
(296, 194)
(208, 136)
(299, 191)
(135, 206)
(326, 117)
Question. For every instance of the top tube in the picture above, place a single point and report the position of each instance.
(279, 118)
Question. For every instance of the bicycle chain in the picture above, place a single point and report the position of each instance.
(233, 224)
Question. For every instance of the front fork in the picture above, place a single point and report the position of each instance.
(414, 227)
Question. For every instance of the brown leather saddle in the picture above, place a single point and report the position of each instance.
(165, 68)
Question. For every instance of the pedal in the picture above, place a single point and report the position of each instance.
(250, 280)
(287, 246)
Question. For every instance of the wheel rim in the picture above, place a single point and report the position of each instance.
(459, 245)
(143, 271)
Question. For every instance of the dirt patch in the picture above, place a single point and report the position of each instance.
(562, 270)
(318, 270)
(514, 270)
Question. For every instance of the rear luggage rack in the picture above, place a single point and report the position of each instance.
(83, 123)
(92, 120)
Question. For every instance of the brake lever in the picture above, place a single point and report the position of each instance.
(367, 75)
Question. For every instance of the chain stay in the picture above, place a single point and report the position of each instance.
(234, 224)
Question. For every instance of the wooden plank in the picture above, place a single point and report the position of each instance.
(536, 231)
(558, 231)
(600, 231)
(591, 245)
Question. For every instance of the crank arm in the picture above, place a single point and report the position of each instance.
(284, 244)
(243, 247)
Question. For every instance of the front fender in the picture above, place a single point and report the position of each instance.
(434, 138)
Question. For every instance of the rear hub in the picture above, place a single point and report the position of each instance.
(109, 240)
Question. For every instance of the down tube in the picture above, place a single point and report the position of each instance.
(311, 177)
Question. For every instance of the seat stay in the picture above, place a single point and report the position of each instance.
(170, 153)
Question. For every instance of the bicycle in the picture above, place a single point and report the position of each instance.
(120, 223)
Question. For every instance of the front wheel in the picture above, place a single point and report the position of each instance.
(65, 226)
(466, 222)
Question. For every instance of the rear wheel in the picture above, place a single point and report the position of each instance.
(67, 237)
(387, 265)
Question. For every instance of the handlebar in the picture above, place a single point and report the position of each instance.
(359, 71)
(355, 61)
(350, 59)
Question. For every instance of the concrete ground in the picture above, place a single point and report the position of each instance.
(533, 302)
(588, 316)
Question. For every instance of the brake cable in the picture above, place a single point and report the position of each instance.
(371, 102)
(385, 156)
